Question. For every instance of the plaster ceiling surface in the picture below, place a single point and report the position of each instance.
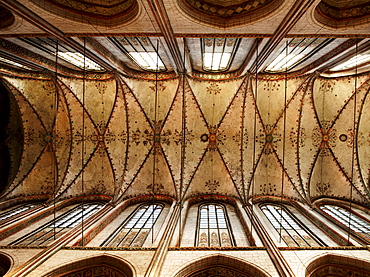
(345, 3)
(299, 132)
(342, 13)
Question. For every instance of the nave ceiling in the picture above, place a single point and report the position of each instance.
(300, 138)
(246, 131)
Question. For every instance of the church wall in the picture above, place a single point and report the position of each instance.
(177, 257)
(188, 237)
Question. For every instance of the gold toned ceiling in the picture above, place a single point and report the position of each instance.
(228, 13)
(299, 138)
(124, 132)
(107, 13)
(342, 13)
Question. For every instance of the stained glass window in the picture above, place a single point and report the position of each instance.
(348, 219)
(16, 210)
(289, 228)
(56, 228)
(136, 228)
(213, 227)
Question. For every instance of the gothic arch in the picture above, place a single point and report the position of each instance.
(359, 215)
(235, 223)
(337, 265)
(105, 264)
(216, 264)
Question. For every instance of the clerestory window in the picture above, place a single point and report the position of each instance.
(217, 53)
(213, 228)
(296, 50)
(17, 210)
(136, 228)
(289, 228)
(349, 219)
(54, 229)
(143, 51)
(49, 46)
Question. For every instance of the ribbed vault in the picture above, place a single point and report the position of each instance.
(301, 138)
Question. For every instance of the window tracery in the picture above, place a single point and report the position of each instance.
(17, 210)
(54, 229)
(289, 228)
(142, 51)
(136, 228)
(213, 228)
(217, 53)
(349, 219)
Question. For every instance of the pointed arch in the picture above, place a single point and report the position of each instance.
(337, 265)
(220, 263)
(105, 263)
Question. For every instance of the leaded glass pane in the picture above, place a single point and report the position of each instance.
(213, 230)
(56, 228)
(289, 229)
(16, 210)
(137, 227)
(350, 220)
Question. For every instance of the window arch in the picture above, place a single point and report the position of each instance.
(135, 229)
(289, 228)
(56, 228)
(349, 219)
(213, 228)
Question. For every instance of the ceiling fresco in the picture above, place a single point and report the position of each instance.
(227, 13)
(106, 13)
(300, 138)
(341, 13)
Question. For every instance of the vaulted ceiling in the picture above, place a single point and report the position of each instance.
(284, 114)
